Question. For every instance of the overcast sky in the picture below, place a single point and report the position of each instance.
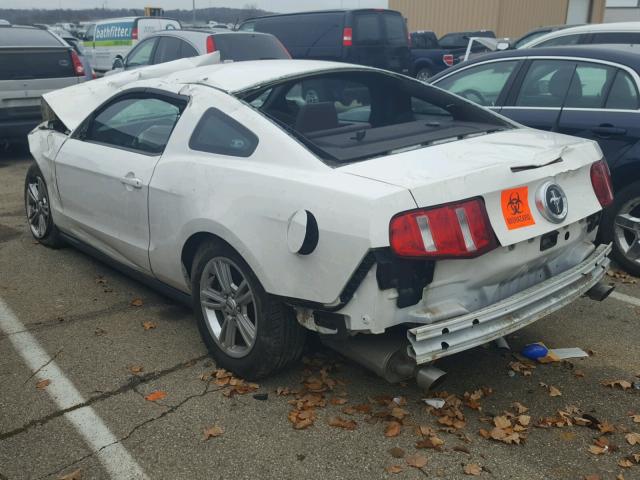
(272, 5)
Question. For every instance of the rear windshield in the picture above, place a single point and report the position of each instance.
(24, 65)
(239, 47)
(304, 30)
(374, 27)
(27, 37)
(345, 117)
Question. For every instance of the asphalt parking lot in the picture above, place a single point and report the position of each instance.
(83, 347)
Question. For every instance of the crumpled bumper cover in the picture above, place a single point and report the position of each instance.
(429, 342)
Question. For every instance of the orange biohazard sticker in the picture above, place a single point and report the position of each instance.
(515, 208)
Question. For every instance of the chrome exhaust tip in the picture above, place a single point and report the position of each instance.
(600, 291)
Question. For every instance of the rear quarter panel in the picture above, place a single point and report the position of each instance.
(248, 202)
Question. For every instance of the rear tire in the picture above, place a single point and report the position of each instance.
(424, 74)
(246, 330)
(618, 227)
(38, 209)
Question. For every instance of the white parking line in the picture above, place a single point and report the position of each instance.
(626, 298)
(113, 456)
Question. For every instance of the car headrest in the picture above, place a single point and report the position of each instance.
(317, 116)
(560, 80)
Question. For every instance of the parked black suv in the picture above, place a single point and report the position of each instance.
(373, 37)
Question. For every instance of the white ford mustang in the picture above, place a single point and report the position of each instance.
(399, 221)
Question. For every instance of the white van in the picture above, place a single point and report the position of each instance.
(109, 40)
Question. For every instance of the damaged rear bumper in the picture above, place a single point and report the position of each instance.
(446, 337)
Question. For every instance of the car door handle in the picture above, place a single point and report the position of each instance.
(131, 181)
(607, 130)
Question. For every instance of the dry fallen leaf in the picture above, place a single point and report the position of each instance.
(635, 418)
(155, 396)
(501, 422)
(633, 438)
(520, 408)
(554, 392)
(592, 477)
(342, 423)
(136, 368)
(136, 302)
(606, 427)
(213, 432)
(392, 429)
(394, 469)
(42, 384)
(620, 476)
(75, 475)
(625, 463)
(623, 384)
(472, 469)
(338, 401)
(397, 452)
(417, 461)
(433, 441)
(148, 325)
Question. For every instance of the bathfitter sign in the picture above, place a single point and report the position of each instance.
(114, 33)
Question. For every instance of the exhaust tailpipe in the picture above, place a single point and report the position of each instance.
(386, 356)
(600, 291)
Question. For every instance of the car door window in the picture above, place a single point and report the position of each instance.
(169, 49)
(141, 55)
(134, 123)
(546, 84)
(221, 134)
(482, 84)
(366, 28)
(623, 94)
(589, 86)
(187, 51)
(559, 41)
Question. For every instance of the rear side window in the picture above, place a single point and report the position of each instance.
(141, 55)
(143, 124)
(623, 94)
(589, 85)
(221, 134)
(239, 47)
(27, 37)
(546, 84)
(628, 38)
(366, 29)
(171, 48)
(309, 30)
(395, 29)
(482, 84)
(21, 65)
(559, 41)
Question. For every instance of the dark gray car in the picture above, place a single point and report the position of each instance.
(174, 44)
(32, 62)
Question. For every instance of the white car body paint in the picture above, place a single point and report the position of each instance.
(248, 202)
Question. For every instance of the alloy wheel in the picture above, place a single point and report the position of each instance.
(627, 230)
(38, 210)
(229, 307)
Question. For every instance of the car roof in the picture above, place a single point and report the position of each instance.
(620, 54)
(314, 12)
(193, 34)
(590, 28)
(39, 38)
(239, 76)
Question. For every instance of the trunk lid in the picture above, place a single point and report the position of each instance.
(506, 169)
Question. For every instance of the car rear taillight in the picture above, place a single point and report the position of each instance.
(347, 37)
(211, 44)
(78, 68)
(601, 181)
(455, 230)
(448, 59)
(134, 33)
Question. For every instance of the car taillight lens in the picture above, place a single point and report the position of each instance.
(78, 68)
(211, 44)
(134, 34)
(455, 230)
(601, 181)
(347, 37)
(448, 59)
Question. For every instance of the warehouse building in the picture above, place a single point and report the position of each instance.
(507, 18)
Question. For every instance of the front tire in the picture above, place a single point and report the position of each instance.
(424, 74)
(38, 209)
(246, 330)
(621, 226)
